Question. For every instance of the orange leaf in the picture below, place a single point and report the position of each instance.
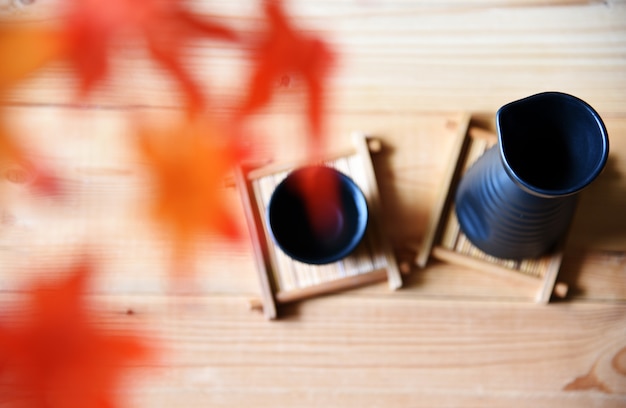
(189, 163)
(23, 50)
(55, 356)
(9, 150)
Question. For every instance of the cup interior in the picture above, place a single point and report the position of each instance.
(312, 224)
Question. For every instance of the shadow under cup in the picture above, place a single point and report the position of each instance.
(317, 215)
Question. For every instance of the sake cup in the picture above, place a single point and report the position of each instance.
(317, 215)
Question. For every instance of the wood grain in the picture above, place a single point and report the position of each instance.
(403, 56)
(372, 351)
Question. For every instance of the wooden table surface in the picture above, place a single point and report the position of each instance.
(451, 336)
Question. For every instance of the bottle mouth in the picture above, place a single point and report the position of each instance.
(552, 143)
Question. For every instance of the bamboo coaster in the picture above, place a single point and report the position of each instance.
(445, 241)
(284, 279)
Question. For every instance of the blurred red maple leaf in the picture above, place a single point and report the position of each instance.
(93, 27)
(284, 50)
(189, 163)
(55, 356)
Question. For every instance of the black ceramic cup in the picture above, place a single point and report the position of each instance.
(317, 215)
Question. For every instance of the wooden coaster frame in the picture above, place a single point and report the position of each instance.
(446, 242)
(285, 280)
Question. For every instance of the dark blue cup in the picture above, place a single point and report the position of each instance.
(317, 215)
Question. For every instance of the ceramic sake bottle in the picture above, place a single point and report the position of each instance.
(517, 201)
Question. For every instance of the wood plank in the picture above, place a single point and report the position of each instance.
(397, 351)
(401, 57)
(394, 279)
(443, 199)
(594, 275)
(332, 286)
(258, 245)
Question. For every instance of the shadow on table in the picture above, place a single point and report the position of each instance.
(597, 241)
